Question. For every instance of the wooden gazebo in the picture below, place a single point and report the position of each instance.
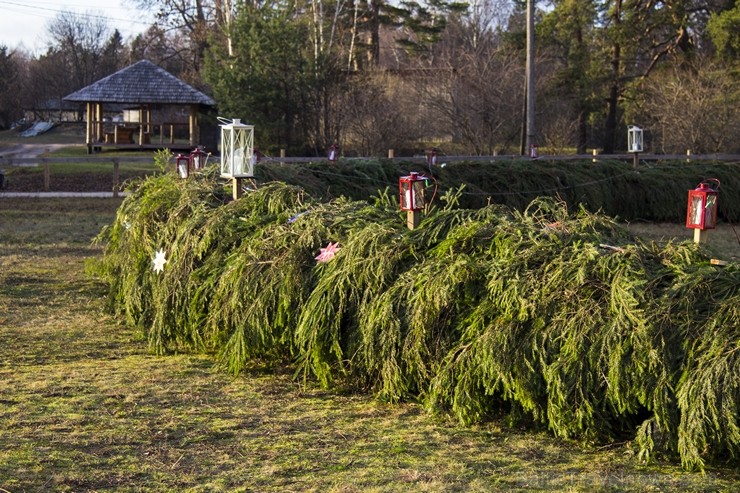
(144, 87)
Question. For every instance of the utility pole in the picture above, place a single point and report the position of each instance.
(529, 96)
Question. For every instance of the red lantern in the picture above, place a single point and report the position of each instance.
(411, 189)
(533, 151)
(182, 165)
(701, 211)
(432, 157)
(333, 152)
(256, 156)
(198, 159)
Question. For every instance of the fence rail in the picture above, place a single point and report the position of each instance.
(46, 161)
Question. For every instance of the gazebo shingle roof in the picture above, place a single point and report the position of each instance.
(141, 83)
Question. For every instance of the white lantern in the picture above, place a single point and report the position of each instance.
(634, 138)
(237, 144)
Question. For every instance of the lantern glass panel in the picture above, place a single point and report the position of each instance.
(710, 212)
(634, 139)
(183, 165)
(695, 211)
(406, 195)
(226, 150)
(418, 195)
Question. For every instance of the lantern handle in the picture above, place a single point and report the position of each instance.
(714, 180)
(434, 193)
(224, 121)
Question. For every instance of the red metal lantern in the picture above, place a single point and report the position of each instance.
(701, 212)
(432, 157)
(333, 152)
(182, 165)
(411, 189)
(256, 156)
(198, 159)
(533, 151)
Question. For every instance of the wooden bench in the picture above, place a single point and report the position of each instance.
(120, 135)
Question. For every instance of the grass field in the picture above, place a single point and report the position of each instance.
(84, 407)
(722, 242)
(71, 176)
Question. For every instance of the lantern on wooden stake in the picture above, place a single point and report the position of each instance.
(333, 153)
(634, 138)
(182, 165)
(533, 151)
(701, 210)
(432, 157)
(634, 143)
(237, 144)
(411, 197)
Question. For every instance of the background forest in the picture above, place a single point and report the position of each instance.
(373, 75)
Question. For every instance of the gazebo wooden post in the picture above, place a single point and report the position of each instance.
(141, 125)
(88, 127)
(147, 135)
(193, 124)
(99, 122)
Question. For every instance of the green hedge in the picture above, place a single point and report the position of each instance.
(553, 316)
(654, 192)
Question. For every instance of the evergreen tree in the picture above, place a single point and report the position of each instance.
(724, 31)
(268, 79)
(10, 109)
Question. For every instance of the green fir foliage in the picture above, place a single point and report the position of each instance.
(653, 192)
(548, 315)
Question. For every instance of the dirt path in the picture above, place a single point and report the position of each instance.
(28, 151)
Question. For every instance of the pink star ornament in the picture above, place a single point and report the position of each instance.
(328, 252)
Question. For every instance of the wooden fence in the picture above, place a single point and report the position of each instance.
(45, 160)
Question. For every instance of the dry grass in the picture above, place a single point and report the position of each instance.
(723, 242)
(83, 407)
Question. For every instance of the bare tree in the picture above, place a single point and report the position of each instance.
(169, 50)
(691, 109)
(79, 41)
(198, 21)
(475, 95)
(376, 116)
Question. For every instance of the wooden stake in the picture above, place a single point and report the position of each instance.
(47, 177)
(116, 177)
(413, 218)
(236, 184)
(700, 236)
(47, 171)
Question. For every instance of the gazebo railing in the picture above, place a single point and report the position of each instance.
(141, 134)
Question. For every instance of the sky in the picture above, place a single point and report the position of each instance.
(23, 23)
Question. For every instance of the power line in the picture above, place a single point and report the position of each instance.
(41, 10)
